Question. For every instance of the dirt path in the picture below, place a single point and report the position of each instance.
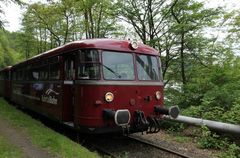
(21, 140)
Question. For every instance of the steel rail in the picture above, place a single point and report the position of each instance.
(158, 146)
(103, 151)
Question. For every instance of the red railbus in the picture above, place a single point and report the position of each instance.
(95, 86)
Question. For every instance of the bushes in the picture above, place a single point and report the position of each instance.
(233, 115)
(211, 140)
(233, 151)
(211, 93)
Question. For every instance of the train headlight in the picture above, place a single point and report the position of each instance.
(134, 44)
(158, 95)
(109, 97)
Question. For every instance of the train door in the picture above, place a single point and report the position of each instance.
(68, 88)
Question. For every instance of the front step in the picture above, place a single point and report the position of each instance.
(70, 124)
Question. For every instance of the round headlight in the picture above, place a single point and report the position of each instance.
(134, 44)
(109, 97)
(158, 95)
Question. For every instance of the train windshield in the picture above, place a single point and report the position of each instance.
(117, 66)
(148, 67)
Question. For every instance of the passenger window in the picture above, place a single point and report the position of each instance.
(14, 75)
(88, 67)
(35, 74)
(20, 75)
(54, 71)
(88, 71)
(69, 69)
(43, 72)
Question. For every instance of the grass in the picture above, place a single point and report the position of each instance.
(42, 136)
(182, 139)
(8, 150)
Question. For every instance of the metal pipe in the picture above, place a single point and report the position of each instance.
(218, 126)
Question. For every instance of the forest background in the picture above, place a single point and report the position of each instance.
(201, 68)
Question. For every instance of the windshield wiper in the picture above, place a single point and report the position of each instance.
(112, 71)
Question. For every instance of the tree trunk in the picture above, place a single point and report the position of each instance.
(86, 24)
(91, 23)
(182, 59)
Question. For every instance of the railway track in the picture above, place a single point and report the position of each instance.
(159, 146)
(112, 145)
(131, 146)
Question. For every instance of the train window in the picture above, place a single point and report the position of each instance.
(25, 74)
(35, 74)
(88, 71)
(5, 75)
(118, 66)
(43, 72)
(147, 67)
(88, 67)
(160, 68)
(54, 71)
(69, 69)
(14, 75)
(89, 56)
(20, 75)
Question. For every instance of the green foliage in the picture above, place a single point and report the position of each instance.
(55, 23)
(211, 140)
(212, 92)
(233, 151)
(172, 126)
(8, 54)
(233, 114)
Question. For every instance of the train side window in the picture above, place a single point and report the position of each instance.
(43, 72)
(54, 71)
(20, 75)
(35, 74)
(5, 75)
(88, 67)
(14, 75)
(69, 69)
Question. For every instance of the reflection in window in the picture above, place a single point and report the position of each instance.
(69, 69)
(54, 71)
(88, 56)
(35, 75)
(147, 67)
(43, 73)
(88, 64)
(88, 71)
(118, 66)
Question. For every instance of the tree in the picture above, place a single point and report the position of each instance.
(56, 23)
(174, 27)
(8, 55)
(191, 18)
(5, 2)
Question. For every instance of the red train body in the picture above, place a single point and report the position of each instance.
(95, 86)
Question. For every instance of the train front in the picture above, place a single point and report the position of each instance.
(120, 90)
